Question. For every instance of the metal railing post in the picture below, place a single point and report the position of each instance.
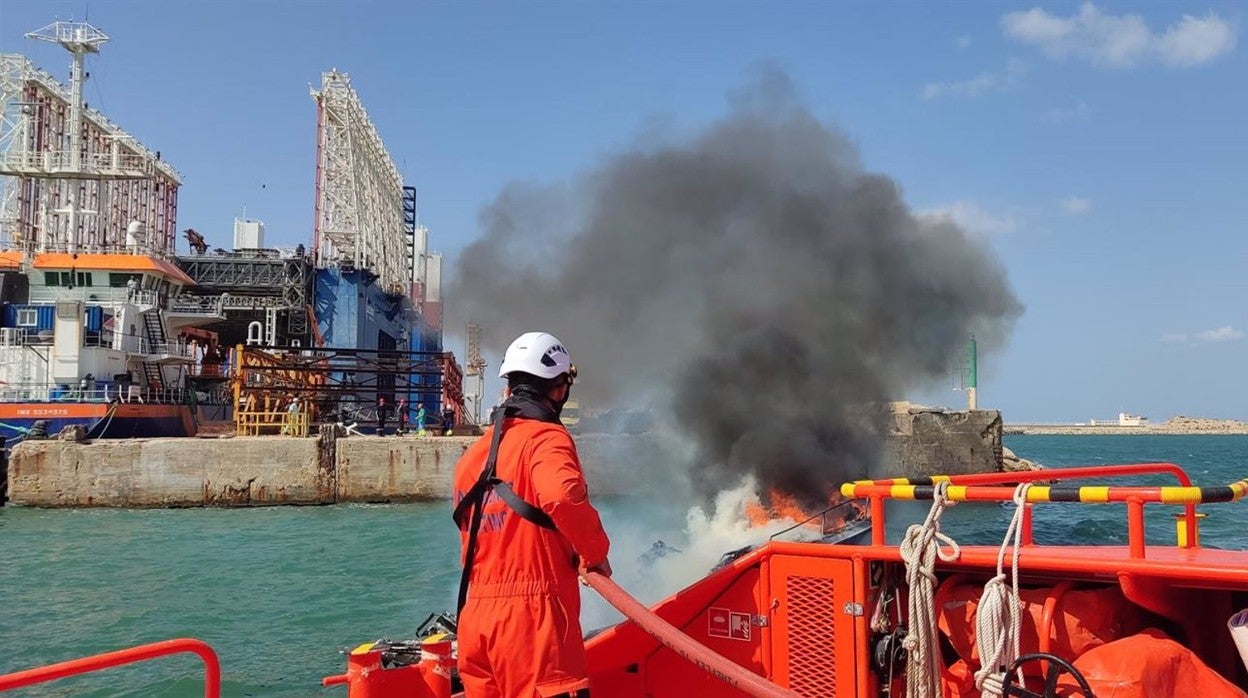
(1135, 526)
(877, 521)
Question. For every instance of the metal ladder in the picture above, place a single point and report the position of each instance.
(151, 372)
(155, 329)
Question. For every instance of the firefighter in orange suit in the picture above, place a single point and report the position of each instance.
(528, 530)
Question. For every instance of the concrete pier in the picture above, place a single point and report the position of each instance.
(268, 470)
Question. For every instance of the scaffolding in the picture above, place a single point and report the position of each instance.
(453, 389)
(273, 394)
(359, 218)
(474, 373)
(70, 179)
(335, 386)
(411, 224)
(250, 285)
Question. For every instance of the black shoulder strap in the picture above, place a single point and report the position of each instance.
(477, 492)
(527, 511)
(474, 501)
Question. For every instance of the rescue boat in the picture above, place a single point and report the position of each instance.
(853, 613)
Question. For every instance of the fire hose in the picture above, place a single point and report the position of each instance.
(700, 655)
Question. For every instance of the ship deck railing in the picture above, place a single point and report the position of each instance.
(138, 345)
(31, 248)
(125, 393)
(133, 344)
(114, 163)
(92, 339)
(209, 306)
(104, 296)
(281, 422)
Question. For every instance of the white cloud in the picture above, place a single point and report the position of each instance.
(1120, 41)
(963, 41)
(1194, 41)
(971, 217)
(1061, 115)
(978, 85)
(1075, 205)
(1224, 333)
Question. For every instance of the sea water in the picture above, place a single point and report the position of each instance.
(279, 591)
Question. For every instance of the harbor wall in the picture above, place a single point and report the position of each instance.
(165, 472)
(270, 470)
(925, 441)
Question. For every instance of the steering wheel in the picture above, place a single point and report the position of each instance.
(1057, 667)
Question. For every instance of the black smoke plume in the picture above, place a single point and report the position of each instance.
(752, 282)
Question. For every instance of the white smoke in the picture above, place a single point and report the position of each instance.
(706, 536)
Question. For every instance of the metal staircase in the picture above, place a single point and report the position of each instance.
(157, 344)
(155, 331)
(151, 373)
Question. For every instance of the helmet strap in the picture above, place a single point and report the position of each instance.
(567, 392)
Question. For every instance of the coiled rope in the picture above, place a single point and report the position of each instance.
(998, 619)
(919, 550)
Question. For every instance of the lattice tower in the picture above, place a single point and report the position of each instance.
(474, 362)
(70, 179)
(359, 193)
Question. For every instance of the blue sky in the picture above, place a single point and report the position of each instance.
(1100, 148)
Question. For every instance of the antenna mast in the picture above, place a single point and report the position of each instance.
(475, 373)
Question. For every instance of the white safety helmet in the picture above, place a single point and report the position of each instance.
(537, 353)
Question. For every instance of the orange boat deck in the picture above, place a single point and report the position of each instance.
(818, 619)
(807, 616)
(808, 607)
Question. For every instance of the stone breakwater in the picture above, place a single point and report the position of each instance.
(1012, 463)
(1176, 425)
(269, 470)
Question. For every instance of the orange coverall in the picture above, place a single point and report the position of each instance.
(520, 630)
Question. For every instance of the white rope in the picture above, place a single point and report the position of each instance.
(998, 620)
(919, 550)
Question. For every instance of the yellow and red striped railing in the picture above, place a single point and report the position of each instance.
(999, 487)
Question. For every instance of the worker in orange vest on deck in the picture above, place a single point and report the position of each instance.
(528, 530)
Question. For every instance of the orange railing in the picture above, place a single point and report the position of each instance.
(130, 655)
(980, 488)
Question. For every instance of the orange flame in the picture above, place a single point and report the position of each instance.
(779, 506)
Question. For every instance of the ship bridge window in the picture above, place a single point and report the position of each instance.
(120, 280)
(67, 278)
(27, 317)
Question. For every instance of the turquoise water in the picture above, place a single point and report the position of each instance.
(1208, 459)
(278, 591)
